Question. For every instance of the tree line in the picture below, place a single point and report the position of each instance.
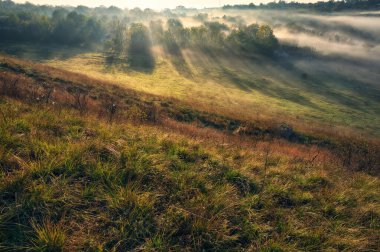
(127, 35)
(62, 27)
(133, 42)
(79, 25)
(329, 6)
(249, 38)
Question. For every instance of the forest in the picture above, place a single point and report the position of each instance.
(321, 6)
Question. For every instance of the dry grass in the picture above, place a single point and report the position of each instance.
(85, 184)
(256, 89)
(90, 95)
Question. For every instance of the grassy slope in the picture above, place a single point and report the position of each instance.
(337, 94)
(253, 89)
(78, 183)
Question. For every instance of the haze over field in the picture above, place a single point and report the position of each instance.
(345, 33)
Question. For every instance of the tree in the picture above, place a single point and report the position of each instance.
(76, 29)
(176, 29)
(254, 38)
(266, 38)
(118, 43)
(174, 26)
(215, 33)
(139, 47)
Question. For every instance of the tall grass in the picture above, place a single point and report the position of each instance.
(111, 103)
(73, 182)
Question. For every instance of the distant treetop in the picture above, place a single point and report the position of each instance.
(319, 6)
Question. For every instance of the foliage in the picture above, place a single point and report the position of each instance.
(121, 36)
(62, 28)
(254, 37)
(323, 6)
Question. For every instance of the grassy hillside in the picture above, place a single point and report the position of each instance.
(314, 92)
(76, 183)
(43, 84)
(317, 92)
(74, 178)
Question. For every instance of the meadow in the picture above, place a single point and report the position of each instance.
(75, 176)
(289, 92)
(224, 129)
(72, 182)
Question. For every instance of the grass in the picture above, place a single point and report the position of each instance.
(250, 89)
(153, 177)
(49, 237)
(76, 182)
(37, 83)
(318, 94)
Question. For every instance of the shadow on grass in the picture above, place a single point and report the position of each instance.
(229, 67)
(282, 78)
(141, 61)
(42, 52)
(340, 86)
(177, 59)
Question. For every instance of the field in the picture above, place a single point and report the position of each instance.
(78, 183)
(335, 87)
(214, 148)
(72, 179)
(249, 89)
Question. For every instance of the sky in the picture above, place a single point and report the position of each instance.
(158, 4)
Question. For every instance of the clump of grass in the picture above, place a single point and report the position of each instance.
(370, 219)
(316, 183)
(48, 237)
(244, 184)
(132, 212)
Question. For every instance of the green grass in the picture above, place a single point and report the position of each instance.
(257, 88)
(70, 182)
(48, 237)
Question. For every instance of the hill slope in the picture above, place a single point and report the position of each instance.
(303, 90)
(74, 178)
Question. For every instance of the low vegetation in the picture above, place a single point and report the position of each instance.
(71, 182)
(41, 84)
(76, 176)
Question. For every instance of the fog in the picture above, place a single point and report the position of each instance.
(353, 35)
(339, 54)
(314, 59)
